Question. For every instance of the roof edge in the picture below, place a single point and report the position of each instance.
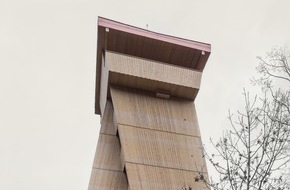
(107, 23)
(103, 23)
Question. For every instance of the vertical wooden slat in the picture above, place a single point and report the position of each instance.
(108, 124)
(162, 149)
(108, 180)
(108, 153)
(160, 140)
(141, 110)
(157, 178)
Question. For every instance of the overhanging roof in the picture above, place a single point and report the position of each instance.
(126, 39)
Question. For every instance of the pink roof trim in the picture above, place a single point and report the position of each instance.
(162, 37)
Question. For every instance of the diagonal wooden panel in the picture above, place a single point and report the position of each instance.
(103, 87)
(108, 180)
(162, 149)
(142, 110)
(108, 153)
(108, 126)
(157, 178)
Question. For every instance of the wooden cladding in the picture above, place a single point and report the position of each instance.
(161, 149)
(108, 153)
(158, 178)
(159, 48)
(108, 180)
(147, 143)
(152, 70)
(146, 84)
(137, 109)
(152, 76)
(108, 124)
(108, 167)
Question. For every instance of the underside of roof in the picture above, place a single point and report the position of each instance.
(125, 39)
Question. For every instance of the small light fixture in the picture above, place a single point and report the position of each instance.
(162, 95)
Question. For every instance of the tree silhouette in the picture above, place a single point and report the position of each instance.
(255, 152)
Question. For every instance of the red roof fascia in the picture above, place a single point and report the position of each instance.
(106, 23)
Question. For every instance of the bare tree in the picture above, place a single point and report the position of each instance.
(274, 70)
(274, 78)
(255, 152)
(275, 65)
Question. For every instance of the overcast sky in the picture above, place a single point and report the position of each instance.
(48, 130)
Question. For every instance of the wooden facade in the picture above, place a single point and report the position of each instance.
(145, 91)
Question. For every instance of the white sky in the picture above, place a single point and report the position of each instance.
(48, 130)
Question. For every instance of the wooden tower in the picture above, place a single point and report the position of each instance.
(145, 90)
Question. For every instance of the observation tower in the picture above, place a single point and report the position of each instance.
(146, 84)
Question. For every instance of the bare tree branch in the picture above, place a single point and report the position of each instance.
(254, 154)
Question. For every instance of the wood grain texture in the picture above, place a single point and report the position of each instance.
(108, 151)
(157, 178)
(118, 79)
(152, 70)
(108, 123)
(141, 110)
(162, 149)
(104, 86)
(108, 180)
(133, 41)
(152, 76)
